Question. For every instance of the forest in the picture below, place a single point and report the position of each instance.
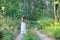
(41, 14)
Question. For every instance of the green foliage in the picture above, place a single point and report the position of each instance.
(30, 36)
(8, 28)
(30, 24)
(56, 30)
(41, 24)
(17, 9)
(35, 16)
(50, 28)
(1, 35)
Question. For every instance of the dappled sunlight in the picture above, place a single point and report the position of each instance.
(41, 14)
(57, 25)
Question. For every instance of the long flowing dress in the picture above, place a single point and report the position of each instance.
(23, 28)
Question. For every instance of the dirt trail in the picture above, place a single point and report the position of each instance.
(19, 37)
(43, 36)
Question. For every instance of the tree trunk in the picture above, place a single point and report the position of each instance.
(55, 12)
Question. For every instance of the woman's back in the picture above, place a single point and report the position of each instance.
(23, 26)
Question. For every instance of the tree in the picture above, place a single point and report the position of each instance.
(55, 10)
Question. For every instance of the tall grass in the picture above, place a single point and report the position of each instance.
(8, 28)
(31, 35)
(49, 27)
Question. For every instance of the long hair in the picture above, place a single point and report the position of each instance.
(23, 19)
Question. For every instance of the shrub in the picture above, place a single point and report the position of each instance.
(30, 36)
(1, 35)
(51, 29)
(8, 28)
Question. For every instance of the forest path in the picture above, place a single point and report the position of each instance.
(19, 37)
(40, 34)
(43, 36)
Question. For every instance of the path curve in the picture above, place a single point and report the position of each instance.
(43, 36)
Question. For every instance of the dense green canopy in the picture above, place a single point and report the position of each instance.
(39, 13)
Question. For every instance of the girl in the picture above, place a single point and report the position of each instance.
(23, 26)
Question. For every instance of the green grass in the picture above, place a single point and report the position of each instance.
(31, 36)
(48, 27)
(8, 28)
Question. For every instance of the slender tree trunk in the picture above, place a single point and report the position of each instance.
(55, 12)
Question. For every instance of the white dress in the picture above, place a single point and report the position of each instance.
(23, 28)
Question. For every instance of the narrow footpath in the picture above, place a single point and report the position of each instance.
(43, 36)
(19, 37)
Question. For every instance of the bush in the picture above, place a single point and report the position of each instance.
(30, 24)
(44, 23)
(56, 31)
(1, 35)
(8, 28)
(51, 29)
(30, 36)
